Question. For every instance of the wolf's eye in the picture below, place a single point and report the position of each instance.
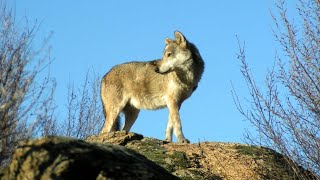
(169, 54)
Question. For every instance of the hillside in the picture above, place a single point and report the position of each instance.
(122, 154)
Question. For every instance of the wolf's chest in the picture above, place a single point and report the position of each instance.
(148, 102)
(179, 89)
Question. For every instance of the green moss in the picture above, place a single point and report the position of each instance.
(180, 159)
(249, 150)
(152, 149)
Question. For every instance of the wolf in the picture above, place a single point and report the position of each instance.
(151, 85)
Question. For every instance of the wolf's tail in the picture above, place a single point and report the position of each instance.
(117, 124)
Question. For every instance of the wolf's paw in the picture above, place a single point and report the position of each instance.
(183, 140)
(168, 140)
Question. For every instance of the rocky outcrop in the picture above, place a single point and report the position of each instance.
(65, 158)
(205, 160)
(122, 155)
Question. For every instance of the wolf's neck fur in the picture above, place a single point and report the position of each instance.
(192, 72)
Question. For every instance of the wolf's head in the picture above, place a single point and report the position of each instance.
(176, 54)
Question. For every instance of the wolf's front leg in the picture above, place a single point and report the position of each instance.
(174, 123)
(169, 130)
(178, 131)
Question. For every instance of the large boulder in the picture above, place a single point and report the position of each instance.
(65, 158)
(122, 155)
(206, 160)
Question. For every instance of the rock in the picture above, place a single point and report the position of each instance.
(118, 137)
(207, 160)
(138, 157)
(65, 158)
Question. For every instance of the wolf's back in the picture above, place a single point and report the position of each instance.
(137, 83)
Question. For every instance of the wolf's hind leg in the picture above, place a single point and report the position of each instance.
(112, 122)
(131, 113)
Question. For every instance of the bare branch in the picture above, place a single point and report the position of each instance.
(25, 91)
(287, 115)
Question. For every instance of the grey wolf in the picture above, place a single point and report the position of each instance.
(156, 84)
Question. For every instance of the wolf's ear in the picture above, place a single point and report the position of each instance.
(168, 40)
(180, 39)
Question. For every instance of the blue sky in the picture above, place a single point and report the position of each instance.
(99, 34)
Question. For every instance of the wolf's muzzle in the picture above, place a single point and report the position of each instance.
(157, 70)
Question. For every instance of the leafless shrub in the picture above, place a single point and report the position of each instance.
(84, 109)
(26, 91)
(25, 88)
(287, 115)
